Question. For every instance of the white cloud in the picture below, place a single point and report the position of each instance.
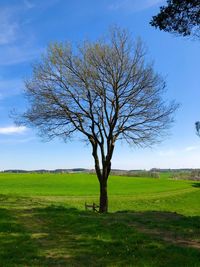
(134, 5)
(13, 130)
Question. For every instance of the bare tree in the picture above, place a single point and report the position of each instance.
(103, 90)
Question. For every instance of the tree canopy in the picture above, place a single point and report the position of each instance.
(103, 91)
(181, 17)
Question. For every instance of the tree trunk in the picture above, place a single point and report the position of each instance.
(102, 177)
(103, 203)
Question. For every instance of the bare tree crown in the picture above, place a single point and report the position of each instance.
(103, 90)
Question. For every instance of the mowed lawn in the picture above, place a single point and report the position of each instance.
(152, 222)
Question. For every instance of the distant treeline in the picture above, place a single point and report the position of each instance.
(187, 175)
(155, 173)
(136, 173)
(172, 170)
(49, 171)
(191, 174)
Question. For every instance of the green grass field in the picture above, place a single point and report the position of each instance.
(152, 222)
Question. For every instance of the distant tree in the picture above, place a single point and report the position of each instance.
(181, 17)
(197, 126)
(102, 90)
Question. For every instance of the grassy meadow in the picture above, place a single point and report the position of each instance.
(152, 222)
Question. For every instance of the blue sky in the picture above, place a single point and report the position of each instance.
(28, 26)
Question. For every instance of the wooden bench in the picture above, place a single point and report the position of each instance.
(92, 206)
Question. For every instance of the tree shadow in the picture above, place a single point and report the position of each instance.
(15, 243)
(114, 239)
(59, 236)
(171, 225)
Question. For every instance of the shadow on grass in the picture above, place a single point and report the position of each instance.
(196, 185)
(15, 243)
(58, 236)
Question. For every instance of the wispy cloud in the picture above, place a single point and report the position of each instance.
(12, 130)
(171, 152)
(17, 41)
(191, 148)
(12, 141)
(167, 153)
(10, 87)
(15, 54)
(133, 5)
(29, 4)
(9, 27)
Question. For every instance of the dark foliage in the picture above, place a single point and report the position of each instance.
(197, 126)
(181, 17)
